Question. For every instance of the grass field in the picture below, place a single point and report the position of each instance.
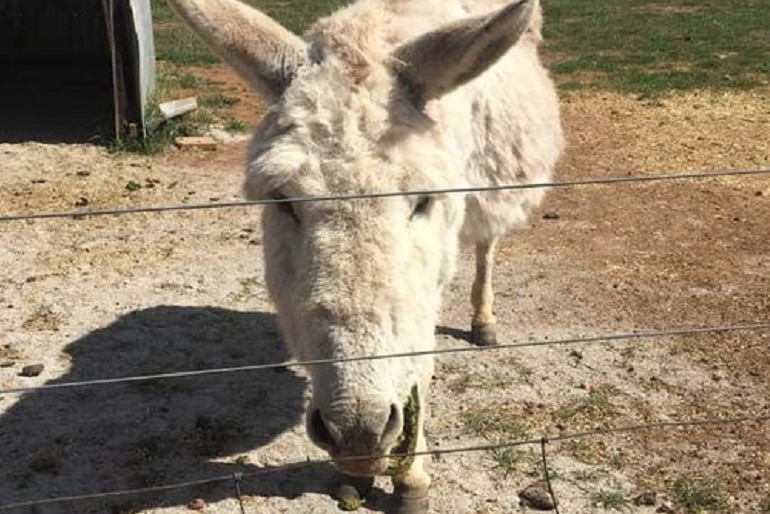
(174, 43)
(642, 47)
(639, 46)
(655, 46)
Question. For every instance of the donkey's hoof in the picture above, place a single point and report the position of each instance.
(484, 335)
(351, 493)
(412, 505)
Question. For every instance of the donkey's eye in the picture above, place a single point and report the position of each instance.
(284, 206)
(422, 206)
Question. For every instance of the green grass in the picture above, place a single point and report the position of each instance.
(654, 46)
(698, 495)
(645, 47)
(595, 408)
(175, 43)
(508, 460)
(610, 500)
(489, 421)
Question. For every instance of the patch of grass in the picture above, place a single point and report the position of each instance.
(617, 460)
(188, 81)
(464, 382)
(298, 16)
(523, 372)
(507, 460)
(589, 475)
(593, 409)
(610, 500)
(233, 125)
(162, 134)
(161, 137)
(489, 422)
(217, 99)
(655, 46)
(699, 494)
(176, 44)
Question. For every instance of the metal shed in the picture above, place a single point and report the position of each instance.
(74, 70)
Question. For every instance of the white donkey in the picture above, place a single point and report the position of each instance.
(386, 96)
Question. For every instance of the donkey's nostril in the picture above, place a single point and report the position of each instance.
(394, 425)
(319, 432)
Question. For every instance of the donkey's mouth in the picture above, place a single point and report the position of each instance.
(402, 454)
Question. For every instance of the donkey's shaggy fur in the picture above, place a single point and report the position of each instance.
(384, 96)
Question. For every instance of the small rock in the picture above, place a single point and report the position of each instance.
(551, 215)
(32, 370)
(666, 508)
(197, 504)
(537, 497)
(81, 202)
(647, 498)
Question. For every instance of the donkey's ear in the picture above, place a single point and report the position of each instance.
(256, 46)
(435, 63)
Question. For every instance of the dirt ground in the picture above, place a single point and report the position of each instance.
(134, 295)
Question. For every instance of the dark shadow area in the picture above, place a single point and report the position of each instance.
(456, 333)
(56, 70)
(133, 435)
(55, 101)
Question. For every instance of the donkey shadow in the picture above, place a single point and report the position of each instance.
(95, 439)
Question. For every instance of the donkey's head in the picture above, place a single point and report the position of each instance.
(351, 115)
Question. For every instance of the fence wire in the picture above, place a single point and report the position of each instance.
(505, 187)
(292, 466)
(606, 338)
(542, 441)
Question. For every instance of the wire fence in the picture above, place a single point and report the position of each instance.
(291, 466)
(604, 181)
(605, 338)
(645, 336)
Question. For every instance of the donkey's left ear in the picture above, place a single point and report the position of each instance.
(435, 63)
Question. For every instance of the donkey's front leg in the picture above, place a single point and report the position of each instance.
(411, 487)
(483, 331)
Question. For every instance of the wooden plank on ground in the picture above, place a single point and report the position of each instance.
(199, 142)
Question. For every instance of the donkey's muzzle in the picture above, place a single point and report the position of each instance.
(358, 441)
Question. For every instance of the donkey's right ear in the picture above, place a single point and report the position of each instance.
(434, 64)
(261, 50)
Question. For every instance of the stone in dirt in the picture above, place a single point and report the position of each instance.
(32, 370)
(551, 215)
(197, 504)
(536, 496)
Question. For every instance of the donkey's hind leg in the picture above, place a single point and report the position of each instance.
(483, 331)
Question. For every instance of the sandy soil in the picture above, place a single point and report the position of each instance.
(140, 294)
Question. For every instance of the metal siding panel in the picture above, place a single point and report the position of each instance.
(142, 15)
